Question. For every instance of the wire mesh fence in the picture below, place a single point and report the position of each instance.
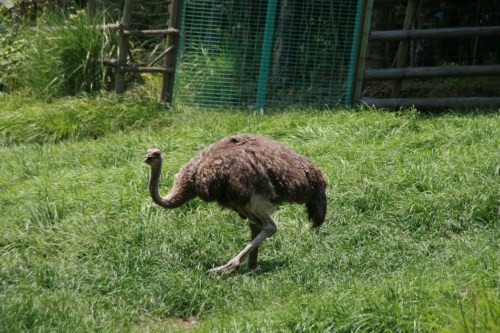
(250, 54)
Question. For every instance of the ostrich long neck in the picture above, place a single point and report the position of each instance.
(171, 200)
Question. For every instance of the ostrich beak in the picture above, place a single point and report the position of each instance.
(151, 154)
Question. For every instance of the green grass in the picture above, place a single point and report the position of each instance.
(410, 242)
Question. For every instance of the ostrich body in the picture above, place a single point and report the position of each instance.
(251, 175)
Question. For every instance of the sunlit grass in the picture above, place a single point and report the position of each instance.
(410, 242)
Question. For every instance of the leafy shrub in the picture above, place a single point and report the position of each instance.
(12, 47)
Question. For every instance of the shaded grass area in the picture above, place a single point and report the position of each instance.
(29, 120)
(410, 242)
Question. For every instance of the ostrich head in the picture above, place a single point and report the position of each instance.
(153, 156)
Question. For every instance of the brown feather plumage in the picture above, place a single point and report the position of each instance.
(239, 171)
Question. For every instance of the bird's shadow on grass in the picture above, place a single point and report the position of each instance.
(267, 266)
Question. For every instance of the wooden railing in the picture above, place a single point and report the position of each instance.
(401, 72)
(169, 56)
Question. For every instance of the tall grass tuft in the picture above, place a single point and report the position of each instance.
(65, 57)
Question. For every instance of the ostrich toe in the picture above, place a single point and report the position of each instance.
(230, 267)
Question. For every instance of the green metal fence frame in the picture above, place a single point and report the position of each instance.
(357, 53)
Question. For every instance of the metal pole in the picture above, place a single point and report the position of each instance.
(173, 41)
(265, 58)
(355, 50)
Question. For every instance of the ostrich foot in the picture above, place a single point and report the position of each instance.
(230, 267)
(267, 230)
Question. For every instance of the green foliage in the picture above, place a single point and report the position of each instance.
(12, 46)
(11, 59)
(205, 77)
(410, 242)
(64, 57)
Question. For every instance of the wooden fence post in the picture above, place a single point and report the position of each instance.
(91, 9)
(402, 53)
(123, 48)
(434, 71)
(171, 49)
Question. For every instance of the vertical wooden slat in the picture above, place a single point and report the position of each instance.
(123, 47)
(402, 52)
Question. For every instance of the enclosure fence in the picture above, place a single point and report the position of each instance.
(430, 54)
(251, 54)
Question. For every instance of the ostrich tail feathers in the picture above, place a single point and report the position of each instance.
(316, 209)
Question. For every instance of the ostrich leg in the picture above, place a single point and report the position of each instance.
(267, 230)
(252, 256)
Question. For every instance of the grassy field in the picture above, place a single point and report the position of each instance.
(410, 242)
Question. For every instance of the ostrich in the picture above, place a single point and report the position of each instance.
(251, 175)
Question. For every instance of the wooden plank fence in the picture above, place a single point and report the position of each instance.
(402, 72)
(431, 72)
(398, 35)
(169, 56)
